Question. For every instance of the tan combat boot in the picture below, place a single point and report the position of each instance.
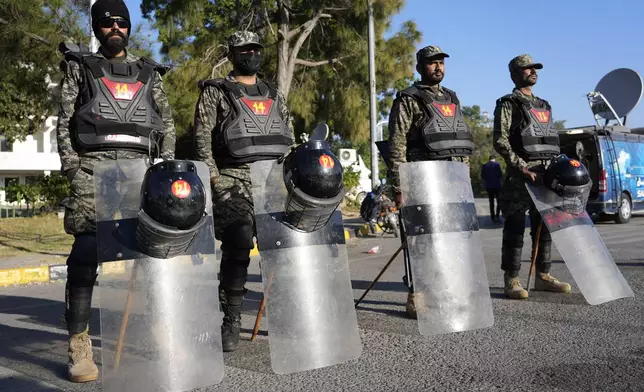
(416, 302)
(513, 288)
(547, 282)
(81, 364)
(411, 307)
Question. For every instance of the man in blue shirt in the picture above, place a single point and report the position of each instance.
(491, 174)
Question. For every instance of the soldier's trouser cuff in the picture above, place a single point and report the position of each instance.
(543, 261)
(513, 230)
(78, 296)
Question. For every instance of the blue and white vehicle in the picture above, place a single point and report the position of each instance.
(613, 154)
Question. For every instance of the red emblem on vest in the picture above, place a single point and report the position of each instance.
(542, 115)
(446, 109)
(123, 91)
(260, 108)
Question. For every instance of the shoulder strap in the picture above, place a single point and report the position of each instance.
(453, 96)
(410, 91)
(219, 82)
(160, 68)
(272, 89)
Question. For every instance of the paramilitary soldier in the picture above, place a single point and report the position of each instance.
(525, 137)
(426, 123)
(96, 122)
(239, 119)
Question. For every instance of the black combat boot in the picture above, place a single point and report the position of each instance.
(231, 304)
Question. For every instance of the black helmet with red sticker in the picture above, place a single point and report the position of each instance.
(173, 208)
(570, 180)
(315, 184)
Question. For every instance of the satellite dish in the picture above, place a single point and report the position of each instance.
(320, 132)
(616, 94)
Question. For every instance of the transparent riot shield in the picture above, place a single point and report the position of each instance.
(582, 249)
(160, 318)
(445, 250)
(312, 322)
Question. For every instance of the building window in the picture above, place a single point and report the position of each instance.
(32, 180)
(9, 180)
(4, 145)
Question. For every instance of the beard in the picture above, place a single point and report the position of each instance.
(114, 42)
(435, 77)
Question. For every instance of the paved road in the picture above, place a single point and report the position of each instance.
(549, 342)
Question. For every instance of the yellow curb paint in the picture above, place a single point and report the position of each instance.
(255, 251)
(365, 229)
(113, 267)
(9, 277)
(34, 274)
(24, 275)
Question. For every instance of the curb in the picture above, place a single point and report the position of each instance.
(51, 273)
(22, 276)
(365, 230)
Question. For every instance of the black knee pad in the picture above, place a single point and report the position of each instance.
(82, 275)
(238, 236)
(84, 250)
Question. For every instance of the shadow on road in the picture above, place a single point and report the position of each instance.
(24, 385)
(379, 286)
(542, 296)
(611, 374)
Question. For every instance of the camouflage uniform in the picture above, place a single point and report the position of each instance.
(404, 113)
(80, 219)
(79, 205)
(232, 199)
(213, 108)
(514, 199)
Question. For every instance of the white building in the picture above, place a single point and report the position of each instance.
(28, 160)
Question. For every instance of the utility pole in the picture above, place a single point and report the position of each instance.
(372, 95)
(93, 42)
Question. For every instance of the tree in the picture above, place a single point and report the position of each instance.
(559, 124)
(316, 52)
(53, 189)
(30, 32)
(483, 146)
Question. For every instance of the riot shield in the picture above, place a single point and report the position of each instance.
(582, 249)
(160, 318)
(310, 315)
(445, 250)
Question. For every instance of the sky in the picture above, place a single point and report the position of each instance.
(578, 42)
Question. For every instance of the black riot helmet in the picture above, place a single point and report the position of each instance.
(569, 179)
(173, 208)
(314, 181)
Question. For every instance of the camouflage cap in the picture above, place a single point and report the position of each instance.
(523, 61)
(243, 38)
(430, 51)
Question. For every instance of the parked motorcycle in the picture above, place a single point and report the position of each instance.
(378, 209)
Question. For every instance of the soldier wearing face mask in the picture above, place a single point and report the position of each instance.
(239, 119)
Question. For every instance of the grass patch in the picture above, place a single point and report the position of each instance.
(40, 234)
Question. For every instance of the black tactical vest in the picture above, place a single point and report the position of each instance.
(254, 129)
(115, 109)
(532, 134)
(441, 132)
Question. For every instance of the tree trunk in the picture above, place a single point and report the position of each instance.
(287, 50)
(283, 80)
